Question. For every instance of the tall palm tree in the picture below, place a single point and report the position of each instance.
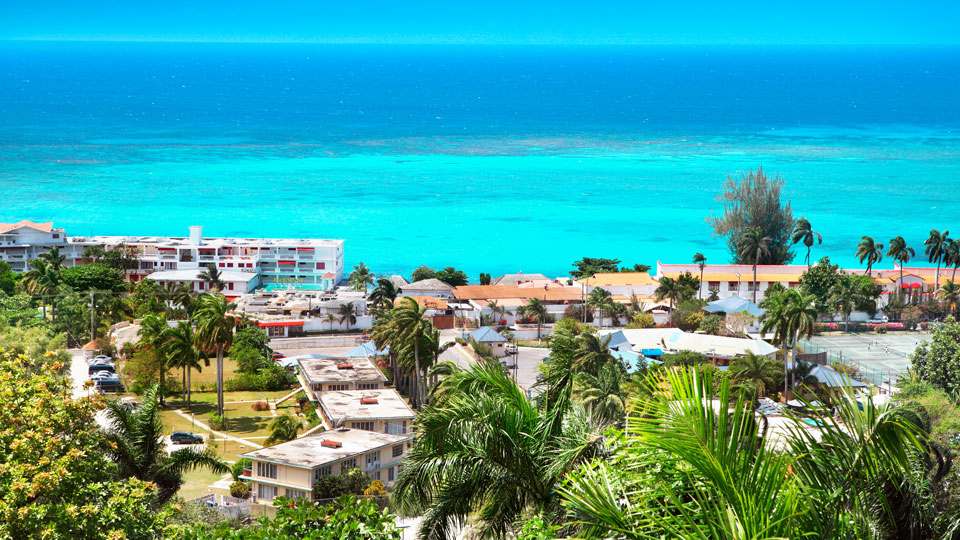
(330, 318)
(901, 253)
(348, 314)
(215, 327)
(497, 309)
(411, 326)
(952, 256)
(802, 232)
(283, 428)
(536, 310)
(754, 245)
(789, 315)
(53, 258)
(360, 278)
(136, 445)
(384, 294)
(181, 351)
(599, 299)
(212, 277)
(603, 395)
(761, 372)
(41, 281)
(950, 293)
(870, 251)
(487, 454)
(671, 289)
(937, 244)
(700, 260)
(592, 353)
(846, 294)
(153, 335)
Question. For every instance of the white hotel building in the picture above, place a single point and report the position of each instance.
(246, 263)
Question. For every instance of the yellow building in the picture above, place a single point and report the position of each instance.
(381, 411)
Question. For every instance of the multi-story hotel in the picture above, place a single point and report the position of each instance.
(273, 263)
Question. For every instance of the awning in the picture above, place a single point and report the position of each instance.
(287, 262)
(304, 249)
(328, 275)
(651, 352)
(265, 324)
(206, 249)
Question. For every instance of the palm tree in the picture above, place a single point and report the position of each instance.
(789, 315)
(848, 292)
(487, 454)
(952, 256)
(347, 314)
(215, 326)
(901, 253)
(950, 293)
(536, 310)
(182, 352)
(283, 428)
(497, 309)
(603, 394)
(700, 260)
(330, 318)
(360, 278)
(936, 248)
(213, 277)
(761, 372)
(384, 294)
(802, 232)
(411, 326)
(870, 251)
(136, 445)
(754, 245)
(153, 334)
(671, 289)
(41, 281)
(53, 258)
(592, 353)
(600, 298)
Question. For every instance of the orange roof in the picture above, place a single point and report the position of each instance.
(619, 279)
(493, 292)
(7, 227)
(430, 302)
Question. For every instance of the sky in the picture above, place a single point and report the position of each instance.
(560, 22)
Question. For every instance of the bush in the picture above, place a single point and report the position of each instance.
(329, 487)
(684, 359)
(260, 406)
(218, 422)
(880, 329)
(711, 324)
(238, 468)
(376, 489)
(642, 320)
(239, 489)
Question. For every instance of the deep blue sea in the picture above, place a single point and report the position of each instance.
(490, 159)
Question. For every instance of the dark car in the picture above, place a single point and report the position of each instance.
(278, 355)
(109, 386)
(185, 437)
(98, 368)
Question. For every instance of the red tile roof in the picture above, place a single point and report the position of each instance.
(6, 227)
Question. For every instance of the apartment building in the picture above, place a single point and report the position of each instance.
(321, 373)
(380, 411)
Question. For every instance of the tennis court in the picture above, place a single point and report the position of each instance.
(880, 357)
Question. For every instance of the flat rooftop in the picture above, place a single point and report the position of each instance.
(309, 452)
(326, 369)
(208, 242)
(193, 275)
(347, 405)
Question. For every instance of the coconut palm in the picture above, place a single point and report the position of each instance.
(348, 314)
(789, 315)
(802, 232)
(181, 351)
(591, 353)
(900, 252)
(536, 310)
(603, 395)
(847, 293)
(283, 428)
(360, 278)
(53, 258)
(870, 251)
(937, 244)
(212, 277)
(486, 454)
(41, 280)
(950, 293)
(136, 445)
(599, 299)
(670, 289)
(761, 373)
(753, 246)
(952, 256)
(700, 260)
(497, 309)
(411, 326)
(215, 326)
(153, 334)
(384, 294)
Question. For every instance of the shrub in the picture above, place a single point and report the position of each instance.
(218, 422)
(880, 329)
(329, 487)
(238, 468)
(260, 406)
(711, 324)
(375, 489)
(239, 489)
(641, 320)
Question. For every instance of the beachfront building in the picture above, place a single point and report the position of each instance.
(319, 373)
(655, 342)
(380, 411)
(736, 279)
(291, 469)
(24, 241)
(440, 313)
(537, 280)
(622, 284)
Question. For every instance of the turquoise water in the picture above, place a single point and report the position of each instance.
(474, 167)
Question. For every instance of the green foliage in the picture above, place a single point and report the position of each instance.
(19, 311)
(375, 489)
(252, 337)
(238, 468)
(422, 272)
(268, 379)
(753, 201)
(283, 428)
(757, 374)
(688, 314)
(250, 361)
(684, 359)
(93, 277)
(485, 279)
(589, 266)
(819, 281)
(360, 278)
(37, 344)
(8, 280)
(451, 276)
(711, 324)
(639, 320)
(938, 361)
(147, 298)
(239, 489)
(537, 528)
(352, 482)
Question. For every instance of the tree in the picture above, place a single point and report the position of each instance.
(486, 452)
(348, 314)
(849, 292)
(43, 281)
(950, 293)
(711, 324)
(588, 266)
(641, 320)
(497, 309)
(684, 359)
(283, 428)
(603, 395)
(938, 361)
(952, 256)
(762, 373)
(789, 315)
(600, 299)
(422, 272)
(591, 353)
(153, 333)
(937, 245)
(8, 279)
(900, 252)
(802, 232)
(753, 246)
(451, 276)
(536, 310)
(93, 277)
(669, 288)
(411, 327)
(215, 325)
(330, 318)
(135, 444)
(870, 251)
(485, 278)
(360, 278)
(700, 260)
(384, 294)
(818, 281)
(754, 201)
(212, 277)
(182, 352)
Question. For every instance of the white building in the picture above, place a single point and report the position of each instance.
(234, 282)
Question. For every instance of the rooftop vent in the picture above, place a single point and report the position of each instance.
(368, 401)
(327, 443)
(344, 366)
(343, 430)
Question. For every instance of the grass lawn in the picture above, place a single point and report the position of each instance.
(197, 483)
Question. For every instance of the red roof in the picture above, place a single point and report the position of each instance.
(304, 249)
(328, 275)
(263, 324)
(287, 262)
(6, 227)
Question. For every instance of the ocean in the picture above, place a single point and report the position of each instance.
(490, 159)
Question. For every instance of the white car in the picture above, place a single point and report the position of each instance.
(879, 320)
(100, 359)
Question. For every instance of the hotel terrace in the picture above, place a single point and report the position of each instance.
(292, 468)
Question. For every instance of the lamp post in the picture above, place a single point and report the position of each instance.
(738, 283)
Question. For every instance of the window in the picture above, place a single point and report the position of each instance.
(322, 471)
(375, 476)
(348, 465)
(732, 286)
(266, 492)
(713, 285)
(321, 266)
(391, 475)
(220, 265)
(373, 460)
(338, 387)
(395, 427)
(295, 494)
(266, 470)
(398, 450)
(229, 265)
(365, 426)
(230, 285)
(368, 386)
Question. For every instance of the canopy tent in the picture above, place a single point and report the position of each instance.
(734, 304)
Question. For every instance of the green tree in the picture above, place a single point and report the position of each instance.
(212, 277)
(18, 310)
(938, 361)
(848, 293)
(411, 326)
(536, 310)
(181, 351)
(684, 359)
(819, 281)
(669, 288)
(283, 428)
(950, 293)
(451, 276)
(711, 324)
(753, 200)
(588, 266)
(153, 334)
(44, 281)
(93, 277)
(384, 294)
(360, 278)
(347, 313)
(600, 299)
(700, 260)
(8, 279)
(754, 246)
(900, 252)
(603, 395)
(951, 256)
(485, 278)
(870, 251)
(789, 315)
(760, 373)
(422, 272)
(802, 232)
(641, 320)
(215, 326)
(936, 248)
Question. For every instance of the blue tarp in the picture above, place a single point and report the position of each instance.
(367, 349)
(652, 352)
(734, 304)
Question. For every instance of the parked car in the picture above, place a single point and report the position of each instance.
(879, 320)
(278, 355)
(101, 368)
(100, 359)
(185, 437)
(109, 386)
(511, 348)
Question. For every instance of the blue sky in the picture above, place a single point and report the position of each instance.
(815, 22)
